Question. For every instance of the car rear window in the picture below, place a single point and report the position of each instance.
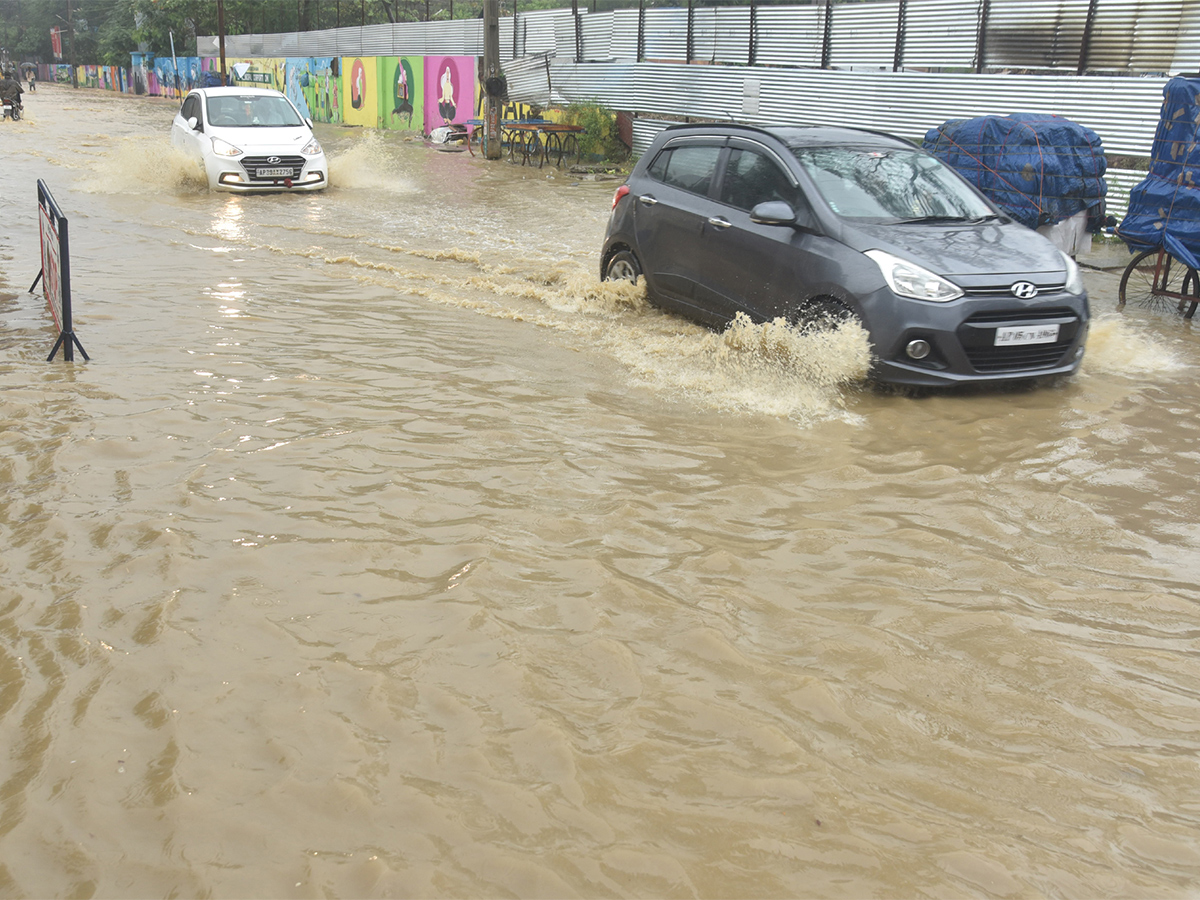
(889, 185)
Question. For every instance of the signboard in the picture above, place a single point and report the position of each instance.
(56, 42)
(56, 272)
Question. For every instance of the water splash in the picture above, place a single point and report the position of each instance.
(1118, 345)
(144, 165)
(769, 368)
(368, 164)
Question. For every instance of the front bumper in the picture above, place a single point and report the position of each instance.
(255, 174)
(961, 336)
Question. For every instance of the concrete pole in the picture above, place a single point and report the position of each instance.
(492, 74)
(221, 37)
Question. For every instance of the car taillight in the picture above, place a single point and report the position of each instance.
(621, 192)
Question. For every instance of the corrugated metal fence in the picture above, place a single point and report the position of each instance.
(1106, 36)
(901, 65)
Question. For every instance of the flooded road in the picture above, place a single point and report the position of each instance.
(379, 550)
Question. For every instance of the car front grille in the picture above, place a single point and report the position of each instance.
(1005, 290)
(978, 333)
(253, 163)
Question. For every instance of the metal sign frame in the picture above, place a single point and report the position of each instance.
(56, 272)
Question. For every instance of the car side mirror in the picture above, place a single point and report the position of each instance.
(193, 123)
(773, 212)
(778, 212)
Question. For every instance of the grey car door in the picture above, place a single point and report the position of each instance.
(671, 212)
(763, 270)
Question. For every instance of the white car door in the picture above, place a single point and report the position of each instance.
(183, 136)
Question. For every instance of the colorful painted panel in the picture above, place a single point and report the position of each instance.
(259, 72)
(401, 91)
(360, 88)
(449, 90)
(321, 87)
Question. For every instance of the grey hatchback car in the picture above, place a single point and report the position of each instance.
(811, 223)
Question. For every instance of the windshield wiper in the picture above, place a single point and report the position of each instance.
(930, 220)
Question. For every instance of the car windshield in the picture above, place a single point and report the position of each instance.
(890, 185)
(252, 111)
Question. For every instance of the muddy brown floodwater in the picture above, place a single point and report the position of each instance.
(380, 550)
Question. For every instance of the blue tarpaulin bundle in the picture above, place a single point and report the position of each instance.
(1039, 169)
(1164, 208)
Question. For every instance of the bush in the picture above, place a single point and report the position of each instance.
(600, 137)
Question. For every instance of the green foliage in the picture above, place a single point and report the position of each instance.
(600, 137)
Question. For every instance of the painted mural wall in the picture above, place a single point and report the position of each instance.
(405, 93)
(398, 93)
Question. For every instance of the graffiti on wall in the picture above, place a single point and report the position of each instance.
(401, 87)
(360, 91)
(399, 93)
(449, 90)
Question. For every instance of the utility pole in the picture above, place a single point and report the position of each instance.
(221, 37)
(493, 79)
(71, 35)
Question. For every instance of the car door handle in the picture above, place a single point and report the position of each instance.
(719, 222)
(649, 201)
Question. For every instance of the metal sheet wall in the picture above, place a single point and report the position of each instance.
(790, 35)
(1045, 35)
(625, 34)
(1123, 111)
(731, 35)
(595, 32)
(666, 34)
(1136, 36)
(940, 34)
(864, 35)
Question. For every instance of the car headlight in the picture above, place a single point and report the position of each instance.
(224, 148)
(910, 280)
(1074, 283)
(312, 148)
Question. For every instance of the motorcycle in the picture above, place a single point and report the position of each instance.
(12, 109)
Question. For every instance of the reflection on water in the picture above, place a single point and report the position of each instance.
(381, 550)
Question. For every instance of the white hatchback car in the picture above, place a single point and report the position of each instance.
(250, 140)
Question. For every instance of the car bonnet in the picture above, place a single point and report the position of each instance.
(967, 251)
(283, 139)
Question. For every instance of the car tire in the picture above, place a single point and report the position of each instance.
(823, 314)
(623, 266)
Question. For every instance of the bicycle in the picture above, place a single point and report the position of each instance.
(1156, 279)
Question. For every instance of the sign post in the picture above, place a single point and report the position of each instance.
(56, 273)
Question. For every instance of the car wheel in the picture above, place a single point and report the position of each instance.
(623, 266)
(821, 314)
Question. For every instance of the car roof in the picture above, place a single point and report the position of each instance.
(235, 91)
(799, 135)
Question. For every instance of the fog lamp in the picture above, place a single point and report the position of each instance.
(917, 349)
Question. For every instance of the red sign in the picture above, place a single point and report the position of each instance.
(56, 42)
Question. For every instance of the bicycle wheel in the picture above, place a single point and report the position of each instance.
(1191, 290)
(1153, 279)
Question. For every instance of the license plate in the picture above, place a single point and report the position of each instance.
(1026, 334)
(284, 172)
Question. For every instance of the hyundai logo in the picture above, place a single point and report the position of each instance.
(274, 159)
(1024, 290)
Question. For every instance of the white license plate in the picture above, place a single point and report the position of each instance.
(285, 172)
(1026, 334)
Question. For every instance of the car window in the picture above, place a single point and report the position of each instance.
(887, 185)
(251, 111)
(752, 178)
(191, 107)
(689, 167)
